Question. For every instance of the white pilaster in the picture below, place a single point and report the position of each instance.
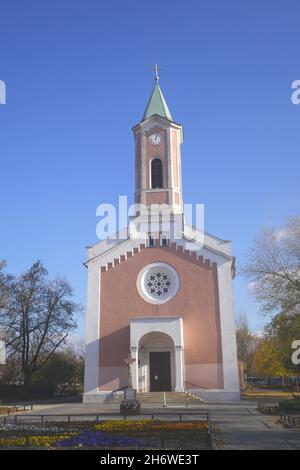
(91, 380)
(179, 385)
(135, 368)
(229, 352)
(143, 168)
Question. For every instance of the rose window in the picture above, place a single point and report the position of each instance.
(158, 283)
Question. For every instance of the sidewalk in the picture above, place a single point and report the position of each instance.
(244, 428)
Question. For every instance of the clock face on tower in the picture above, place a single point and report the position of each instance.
(156, 138)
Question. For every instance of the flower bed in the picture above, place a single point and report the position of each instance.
(32, 441)
(121, 434)
(91, 438)
(150, 425)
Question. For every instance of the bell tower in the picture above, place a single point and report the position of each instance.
(158, 141)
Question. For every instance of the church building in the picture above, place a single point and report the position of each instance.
(162, 294)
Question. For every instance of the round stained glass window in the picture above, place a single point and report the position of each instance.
(158, 283)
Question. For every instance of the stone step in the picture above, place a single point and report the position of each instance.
(171, 398)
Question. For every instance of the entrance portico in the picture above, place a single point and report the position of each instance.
(156, 344)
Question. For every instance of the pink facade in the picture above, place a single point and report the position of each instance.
(196, 302)
(157, 197)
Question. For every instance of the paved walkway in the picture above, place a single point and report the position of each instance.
(239, 426)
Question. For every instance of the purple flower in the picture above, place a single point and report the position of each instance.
(89, 438)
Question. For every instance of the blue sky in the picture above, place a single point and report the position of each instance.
(77, 76)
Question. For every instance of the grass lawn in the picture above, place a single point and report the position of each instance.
(113, 434)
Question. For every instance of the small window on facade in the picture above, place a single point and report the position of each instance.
(164, 241)
(151, 241)
(156, 173)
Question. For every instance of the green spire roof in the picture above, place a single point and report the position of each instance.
(157, 105)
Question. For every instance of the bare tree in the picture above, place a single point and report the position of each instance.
(274, 269)
(38, 318)
(3, 285)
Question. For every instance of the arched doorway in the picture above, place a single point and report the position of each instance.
(156, 368)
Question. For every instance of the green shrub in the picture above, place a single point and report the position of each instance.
(290, 405)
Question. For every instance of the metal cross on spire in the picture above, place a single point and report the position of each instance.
(156, 69)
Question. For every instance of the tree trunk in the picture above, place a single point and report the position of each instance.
(27, 378)
(242, 374)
